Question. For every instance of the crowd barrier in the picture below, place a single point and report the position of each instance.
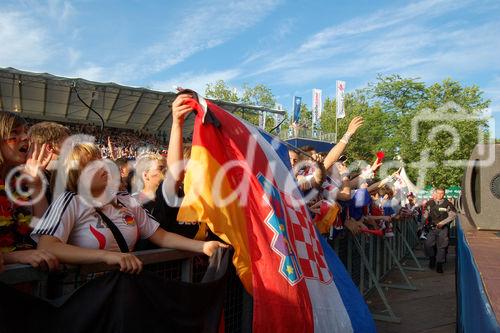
(367, 258)
(170, 264)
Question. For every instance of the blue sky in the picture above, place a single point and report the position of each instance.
(290, 46)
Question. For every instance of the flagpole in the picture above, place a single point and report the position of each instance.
(336, 119)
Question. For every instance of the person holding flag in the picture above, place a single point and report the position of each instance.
(238, 183)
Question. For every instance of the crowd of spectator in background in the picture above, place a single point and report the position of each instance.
(127, 143)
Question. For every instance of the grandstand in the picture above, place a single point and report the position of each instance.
(43, 96)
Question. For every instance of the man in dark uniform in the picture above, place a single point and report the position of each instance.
(439, 213)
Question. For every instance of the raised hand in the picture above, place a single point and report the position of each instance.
(376, 164)
(38, 159)
(355, 124)
(111, 149)
(318, 158)
(179, 109)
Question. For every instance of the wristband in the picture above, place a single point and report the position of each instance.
(345, 139)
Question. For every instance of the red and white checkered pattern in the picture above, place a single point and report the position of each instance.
(305, 243)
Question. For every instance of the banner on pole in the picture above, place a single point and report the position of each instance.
(340, 99)
(297, 102)
(262, 120)
(278, 118)
(317, 107)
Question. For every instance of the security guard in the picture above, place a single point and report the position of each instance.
(439, 212)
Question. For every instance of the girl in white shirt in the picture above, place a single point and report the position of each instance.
(74, 231)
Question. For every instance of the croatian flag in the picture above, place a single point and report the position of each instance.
(238, 181)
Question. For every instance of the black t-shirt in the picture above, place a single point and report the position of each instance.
(167, 215)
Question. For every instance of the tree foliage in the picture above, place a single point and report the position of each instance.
(446, 119)
(219, 90)
(259, 95)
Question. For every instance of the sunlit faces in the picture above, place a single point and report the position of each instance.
(14, 147)
(155, 174)
(99, 180)
(439, 194)
(294, 157)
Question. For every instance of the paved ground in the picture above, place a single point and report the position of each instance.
(432, 308)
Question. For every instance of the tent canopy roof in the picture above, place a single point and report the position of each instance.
(47, 97)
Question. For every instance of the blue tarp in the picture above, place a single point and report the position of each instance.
(320, 146)
(475, 313)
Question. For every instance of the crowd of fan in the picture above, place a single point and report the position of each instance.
(126, 143)
(62, 227)
(357, 202)
(338, 199)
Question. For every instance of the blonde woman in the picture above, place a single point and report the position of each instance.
(149, 173)
(77, 232)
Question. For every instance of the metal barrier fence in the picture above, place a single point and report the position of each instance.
(367, 258)
(172, 265)
(379, 258)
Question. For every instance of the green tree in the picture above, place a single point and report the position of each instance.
(392, 104)
(219, 90)
(372, 137)
(457, 121)
(259, 95)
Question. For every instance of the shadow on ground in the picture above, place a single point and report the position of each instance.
(431, 308)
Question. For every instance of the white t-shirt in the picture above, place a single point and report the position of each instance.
(74, 222)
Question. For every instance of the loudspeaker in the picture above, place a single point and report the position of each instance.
(481, 187)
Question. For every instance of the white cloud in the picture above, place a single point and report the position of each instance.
(91, 72)
(344, 37)
(73, 56)
(24, 42)
(416, 48)
(265, 45)
(196, 81)
(59, 10)
(492, 91)
(207, 26)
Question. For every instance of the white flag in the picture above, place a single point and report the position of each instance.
(278, 118)
(262, 119)
(340, 99)
(317, 106)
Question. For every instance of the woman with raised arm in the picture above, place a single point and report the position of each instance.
(165, 210)
(22, 191)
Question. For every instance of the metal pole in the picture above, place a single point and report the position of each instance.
(336, 129)
(408, 285)
(392, 316)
